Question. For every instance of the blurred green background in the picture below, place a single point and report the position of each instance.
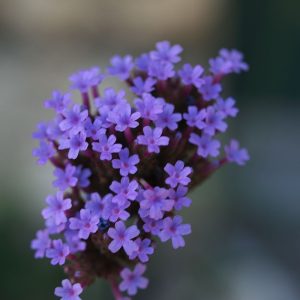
(245, 243)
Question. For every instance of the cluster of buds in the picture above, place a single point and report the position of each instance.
(123, 168)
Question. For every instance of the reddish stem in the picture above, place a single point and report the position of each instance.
(115, 289)
(85, 100)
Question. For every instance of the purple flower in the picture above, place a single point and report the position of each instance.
(179, 197)
(121, 66)
(195, 118)
(149, 107)
(144, 250)
(155, 203)
(115, 211)
(206, 145)
(178, 174)
(75, 144)
(142, 62)
(94, 129)
(83, 175)
(190, 75)
(236, 60)
(219, 66)
(53, 131)
(125, 190)
(41, 243)
(59, 101)
(97, 205)
(126, 163)
(152, 226)
(227, 107)
(141, 86)
(74, 120)
(74, 242)
(132, 280)
(166, 53)
(57, 206)
(122, 237)
(152, 138)
(210, 90)
(160, 70)
(68, 291)
(42, 131)
(168, 118)
(85, 79)
(214, 121)
(107, 146)
(173, 229)
(86, 224)
(111, 98)
(44, 152)
(65, 178)
(58, 252)
(235, 154)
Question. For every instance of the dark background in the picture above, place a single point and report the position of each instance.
(245, 243)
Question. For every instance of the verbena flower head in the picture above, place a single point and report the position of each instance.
(124, 169)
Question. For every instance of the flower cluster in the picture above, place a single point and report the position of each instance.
(123, 168)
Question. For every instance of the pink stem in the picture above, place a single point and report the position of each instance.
(85, 100)
(115, 289)
(95, 92)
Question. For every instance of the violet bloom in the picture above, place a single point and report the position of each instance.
(121, 66)
(178, 174)
(41, 243)
(144, 250)
(86, 224)
(210, 90)
(57, 206)
(97, 205)
(142, 62)
(68, 291)
(153, 139)
(124, 190)
(53, 131)
(44, 152)
(141, 86)
(149, 107)
(126, 164)
(179, 197)
(235, 154)
(195, 118)
(190, 75)
(214, 121)
(42, 131)
(168, 118)
(115, 211)
(206, 145)
(219, 66)
(59, 101)
(173, 229)
(111, 99)
(85, 79)
(160, 70)
(107, 146)
(155, 203)
(65, 178)
(74, 120)
(74, 242)
(83, 175)
(227, 107)
(58, 252)
(166, 53)
(133, 280)
(75, 144)
(152, 226)
(122, 238)
(94, 129)
(235, 58)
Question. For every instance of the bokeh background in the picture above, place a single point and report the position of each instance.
(245, 243)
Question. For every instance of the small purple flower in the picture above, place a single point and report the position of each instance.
(65, 178)
(86, 224)
(190, 75)
(44, 152)
(53, 228)
(141, 86)
(107, 146)
(144, 250)
(235, 154)
(58, 252)
(97, 205)
(83, 175)
(41, 243)
(195, 118)
(166, 53)
(153, 139)
(57, 206)
(142, 62)
(155, 203)
(85, 79)
(75, 144)
(219, 66)
(214, 121)
(178, 174)
(227, 107)
(168, 118)
(206, 145)
(94, 129)
(59, 101)
(121, 66)
(152, 226)
(160, 70)
(173, 229)
(235, 58)
(122, 237)
(111, 99)
(132, 280)
(69, 291)
(53, 131)
(179, 197)
(42, 131)
(149, 107)
(74, 120)
(125, 190)
(126, 164)
(74, 242)
(210, 90)
(115, 211)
